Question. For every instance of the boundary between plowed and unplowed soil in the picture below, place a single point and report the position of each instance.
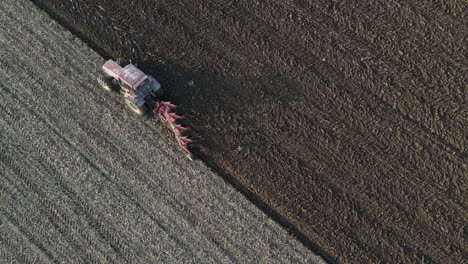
(340, 121)
(307, 242)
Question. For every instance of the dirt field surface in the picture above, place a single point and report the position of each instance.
(345, 121)
(82, 180)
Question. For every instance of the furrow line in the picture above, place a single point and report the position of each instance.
(101, 230)
(28, 236)
(103, 173)
(331, 69)
(329, 66)
(59, 221)
(366, 198)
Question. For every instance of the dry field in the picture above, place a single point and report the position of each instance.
(82, 180)
(344, 120)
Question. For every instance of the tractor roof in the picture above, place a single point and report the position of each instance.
(132, 76)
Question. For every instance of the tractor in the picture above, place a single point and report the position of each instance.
(143, 93)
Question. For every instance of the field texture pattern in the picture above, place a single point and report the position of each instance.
(82, 180)
(347, 118)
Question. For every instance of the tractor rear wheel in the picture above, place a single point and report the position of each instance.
(158, 93)
(106, 84)
(138, 110)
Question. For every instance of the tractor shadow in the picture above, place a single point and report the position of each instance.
(223, 111)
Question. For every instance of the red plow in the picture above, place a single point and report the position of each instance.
(143, 93)
(165, 114)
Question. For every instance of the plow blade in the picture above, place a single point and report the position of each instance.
(163, 110)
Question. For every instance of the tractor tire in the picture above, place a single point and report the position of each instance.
(158, 94)
(138, 110)
(106, 84)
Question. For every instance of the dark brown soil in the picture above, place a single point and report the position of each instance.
(346, 122)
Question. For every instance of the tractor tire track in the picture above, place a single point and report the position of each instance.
(64, 186)
(56, 219)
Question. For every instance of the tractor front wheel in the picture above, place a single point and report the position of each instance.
(106, 84)
(138, 110)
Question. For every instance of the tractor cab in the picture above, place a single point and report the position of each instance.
(131, 79)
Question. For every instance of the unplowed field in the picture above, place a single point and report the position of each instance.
(82, 180)
(347, 119)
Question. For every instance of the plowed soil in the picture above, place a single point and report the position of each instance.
(345, 121)
(81, 181)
